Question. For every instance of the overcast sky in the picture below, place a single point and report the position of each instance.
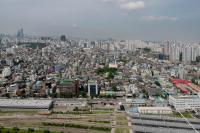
(119, 19)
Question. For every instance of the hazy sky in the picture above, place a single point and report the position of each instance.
(120, 19)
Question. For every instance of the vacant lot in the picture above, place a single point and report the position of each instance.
(98, 121)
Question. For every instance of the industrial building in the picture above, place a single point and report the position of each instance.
(25, 104)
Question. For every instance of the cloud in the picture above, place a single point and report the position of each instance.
(128, 4)
(159, 18)
(132, 5)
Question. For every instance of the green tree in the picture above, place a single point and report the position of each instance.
(46, 131)
(147, 50)
(146, 94)
(7, 95)
(198, 59)
(75, 109)
(110, 75)
(83, 94)
(31, 130)
(114, 88)
(15, 129)
(134, 95)
(157, 83)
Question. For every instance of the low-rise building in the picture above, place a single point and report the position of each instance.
(155, 110)
(25, 104)
(136, 102)
(183, 103)
(70, 102)
(66, 87)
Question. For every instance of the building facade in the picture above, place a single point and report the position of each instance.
(92, 88)
(184, 103)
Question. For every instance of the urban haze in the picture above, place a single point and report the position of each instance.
(99, 66)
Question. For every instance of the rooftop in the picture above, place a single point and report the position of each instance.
(186, 97)
(25, 103)
(66, 82)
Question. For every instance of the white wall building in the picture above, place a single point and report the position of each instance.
(155, 110)
(25, 103)
(183, 103)
(70, 102)
(6, 72)
(174, 53)
(187, 54)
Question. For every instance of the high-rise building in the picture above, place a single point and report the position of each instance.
(183, 52)
(174, 53)
(167, 48)
(195, 52)
(108, 47)
(63, 38)
(20, 34)
(187, 54)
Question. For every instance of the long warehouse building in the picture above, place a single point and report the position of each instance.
(25, 104)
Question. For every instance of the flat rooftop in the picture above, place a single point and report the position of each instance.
(187, 97)
(162, 124)
(25, 103)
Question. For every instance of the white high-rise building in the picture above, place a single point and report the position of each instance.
(181, 72)
(167, 48)
(174, 53)
(187, 54)
(194, 53)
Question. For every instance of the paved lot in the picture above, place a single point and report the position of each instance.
(162, 124)
(160, 130)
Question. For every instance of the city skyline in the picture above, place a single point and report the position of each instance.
(96, 19)
(99, 66)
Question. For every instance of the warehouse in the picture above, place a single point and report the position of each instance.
(155, 110)
(25, 104)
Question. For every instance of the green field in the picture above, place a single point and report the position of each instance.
(121, 130)
(73, 125)
(186, 115)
